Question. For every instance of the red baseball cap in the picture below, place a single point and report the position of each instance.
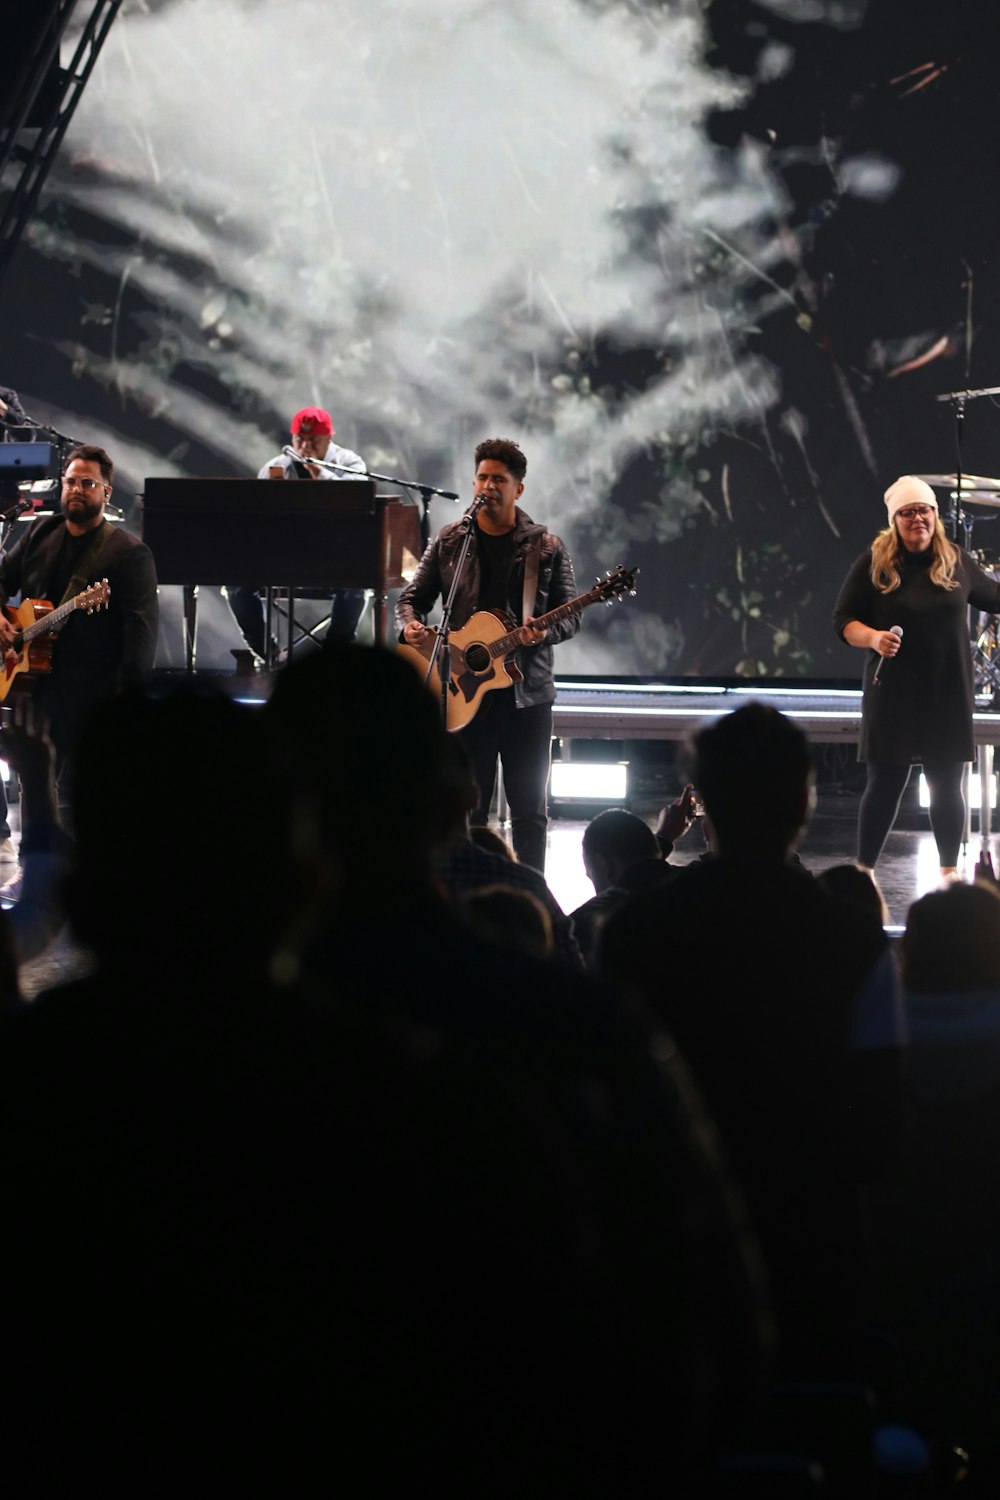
(312, 419)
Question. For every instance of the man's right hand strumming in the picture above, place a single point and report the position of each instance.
(7, 633)
(414, 632)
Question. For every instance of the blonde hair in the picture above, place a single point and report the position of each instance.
(885, 559)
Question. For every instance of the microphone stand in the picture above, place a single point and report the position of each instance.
(959, 398)
(441, 650)
(30, 425)
(9, 519)
(425, 491)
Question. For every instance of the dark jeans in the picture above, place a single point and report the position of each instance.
(346, 609)
(883, 794)
(522, 738)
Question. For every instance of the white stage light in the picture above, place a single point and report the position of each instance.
(972, 792)
(588, 781)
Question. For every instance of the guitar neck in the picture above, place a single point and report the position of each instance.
(50, 622)
(506, 643)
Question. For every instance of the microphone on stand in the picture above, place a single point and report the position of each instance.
(300, 462)
(21, 507)
(896, 630)
(478, 501)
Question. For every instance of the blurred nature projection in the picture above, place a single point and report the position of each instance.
(709, 264)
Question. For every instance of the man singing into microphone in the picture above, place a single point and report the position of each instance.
(519, 567)
(312, 438)
(906, 602)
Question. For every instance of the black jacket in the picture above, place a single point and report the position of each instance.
(556, 585)
(93, 654)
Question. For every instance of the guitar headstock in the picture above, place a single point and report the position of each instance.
(615, 585)
(95, 596)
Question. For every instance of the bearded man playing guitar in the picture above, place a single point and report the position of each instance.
(55, 558)
(516, 566)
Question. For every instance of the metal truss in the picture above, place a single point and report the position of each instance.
(27, 150)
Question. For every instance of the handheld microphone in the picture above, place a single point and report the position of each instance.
(896, 630)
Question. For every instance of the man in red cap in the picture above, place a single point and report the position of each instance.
(312, 438)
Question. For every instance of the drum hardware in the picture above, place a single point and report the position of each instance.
(968, 482)
(959, 399)
(986, 660)
(986, 499)
(989, 390)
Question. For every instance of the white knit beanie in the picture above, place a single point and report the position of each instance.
(909, 490)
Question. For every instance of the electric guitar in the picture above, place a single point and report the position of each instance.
(482, 651)
(37, 622)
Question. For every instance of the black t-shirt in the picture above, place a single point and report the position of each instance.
(67, 563)
(496, 554)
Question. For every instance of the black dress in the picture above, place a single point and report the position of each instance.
(921, 708)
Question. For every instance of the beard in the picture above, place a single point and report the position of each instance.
(82, 512)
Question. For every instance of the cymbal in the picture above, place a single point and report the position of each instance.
(977, 497)
(969, 482)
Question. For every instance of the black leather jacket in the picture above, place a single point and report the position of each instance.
(556, 585)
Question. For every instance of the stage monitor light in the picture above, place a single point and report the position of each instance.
(973, 792)
(589, 782)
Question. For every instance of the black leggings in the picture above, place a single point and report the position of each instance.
(883, 794)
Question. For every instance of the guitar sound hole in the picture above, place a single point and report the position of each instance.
(477, 658)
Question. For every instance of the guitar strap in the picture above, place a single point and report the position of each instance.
(88, 559)
(531, 558)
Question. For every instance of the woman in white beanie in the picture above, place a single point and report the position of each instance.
(906, 602)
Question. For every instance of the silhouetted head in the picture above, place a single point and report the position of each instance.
(754, 770)
(509, 918)
(180, 829)
(858, 887)
(462, 788)
(362, 746)
(952, 941)
(613, 842)
(490, 840)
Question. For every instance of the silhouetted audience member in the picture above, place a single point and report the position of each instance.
(153, 1143)
(464, 864)
(858, 886)
(952, 941)
(10, 986)
(621, 856)
(501, 914)
(488, 838)
(571, 1313)
(784, 1002)
(426, 1213)
(129, 841)
(939, 1225)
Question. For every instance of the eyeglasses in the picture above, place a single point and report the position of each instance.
(87, 485)
(915, 513)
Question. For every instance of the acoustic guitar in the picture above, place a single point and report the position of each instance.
(482, 651)
(37, 622)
